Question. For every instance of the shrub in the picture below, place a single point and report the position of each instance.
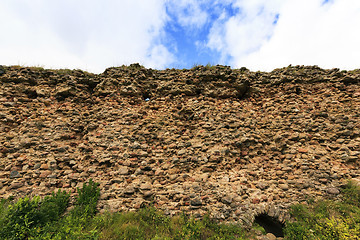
(87, 199)
(4, 203)
(53, 207)
(35, 218)
(21, 218)
(26, 217)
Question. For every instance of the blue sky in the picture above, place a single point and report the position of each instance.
(257, 34)
(188, 41)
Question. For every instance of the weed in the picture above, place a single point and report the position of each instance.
(351, 194)
(327, 219)
(87, 199)
(149, 223)
(208, 66)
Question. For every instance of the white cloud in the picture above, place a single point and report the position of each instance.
(308, 32)
(90, 34)
(189, 13)
(159, 55)
(311, 34)
(239, 35)
(93, 35)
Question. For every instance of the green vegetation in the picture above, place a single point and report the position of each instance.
(207, 66)
(50, 218)
(149, 223)
(327, 219)
(46, 219)
(87, 199)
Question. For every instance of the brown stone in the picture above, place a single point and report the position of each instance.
(44, 166)
(15, 185)
(323, 180)
(284, 187)
(145, 186)
(175, 136)
(44, 174)
(303, 150)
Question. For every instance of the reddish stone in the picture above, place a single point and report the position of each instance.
(256, 201)
(4, 150)
(205, 197)
(44, 166)
(252, 173)
(303, 150)
(244, 153)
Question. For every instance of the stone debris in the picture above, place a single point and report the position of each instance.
(230, 142)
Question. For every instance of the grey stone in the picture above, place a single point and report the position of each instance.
(262, 185)
(129, 189)
(15, 174)
(196, 202)
(65, 92)
(227, 200)
(333, 191)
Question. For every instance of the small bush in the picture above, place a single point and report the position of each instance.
(87, 199)
(26, 217)
(53, 207)
(21, 218)
(35, 218)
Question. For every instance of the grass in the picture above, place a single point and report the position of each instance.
(208, 66)
(149, 223)
(50, 218)
(327, 219)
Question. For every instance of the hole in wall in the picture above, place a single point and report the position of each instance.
(270, 224)
(146, 96)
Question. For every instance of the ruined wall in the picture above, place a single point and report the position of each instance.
(228, 141)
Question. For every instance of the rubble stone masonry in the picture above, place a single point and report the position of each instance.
(230, 142)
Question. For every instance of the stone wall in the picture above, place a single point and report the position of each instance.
(231, 142)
